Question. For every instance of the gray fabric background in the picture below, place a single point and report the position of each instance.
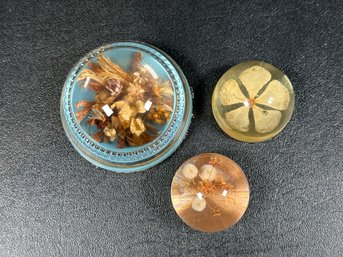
(54, 203)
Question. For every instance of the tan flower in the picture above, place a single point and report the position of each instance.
(137, 126)
(111, 133)
(134, 92)
(140, 106)
(125, 112)
(266, 100)
(163, 89)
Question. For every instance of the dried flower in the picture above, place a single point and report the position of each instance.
(137, 126)
(86, 108)
(139, 99)
(98, 136)
(111, 133)
(163, 89)
(114, 87)
(140, 106)
(198, 203)
(159, 115)
(265, 97)
(208, 172)
(134, 92)
(190, 171)
(126, 112)
(95, 114)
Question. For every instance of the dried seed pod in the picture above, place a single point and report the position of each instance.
(198, 203)
(190, 171)
(208, 172)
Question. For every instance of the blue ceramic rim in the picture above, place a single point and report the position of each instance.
(153, 153)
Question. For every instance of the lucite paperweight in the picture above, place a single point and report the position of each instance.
(126, 106)
(253, 101)
(210, 192)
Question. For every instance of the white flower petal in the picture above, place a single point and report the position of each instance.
(254, 79)
(230, 93)
(238, 119)
(266, 120)
(275, 96)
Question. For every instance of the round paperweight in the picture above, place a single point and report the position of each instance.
(210, 192)
(253, 101)
(126, 106)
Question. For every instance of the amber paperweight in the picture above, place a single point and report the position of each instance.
(253, 101)
(210, 192)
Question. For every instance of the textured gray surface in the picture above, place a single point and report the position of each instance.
(54, 203)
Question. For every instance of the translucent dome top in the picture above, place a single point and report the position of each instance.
(210, 192)
(253, 101)
(127, 101)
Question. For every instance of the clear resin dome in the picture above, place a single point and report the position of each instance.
(253, 101)
(126, 106)
(210, 192)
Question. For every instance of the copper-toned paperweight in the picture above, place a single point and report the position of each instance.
(210, 192)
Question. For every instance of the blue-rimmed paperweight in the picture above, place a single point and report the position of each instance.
(126, 106)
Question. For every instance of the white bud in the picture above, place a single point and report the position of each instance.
(198, 204)
(190, 171)
(208, 172)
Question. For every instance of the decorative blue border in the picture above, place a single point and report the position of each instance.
(129, 161)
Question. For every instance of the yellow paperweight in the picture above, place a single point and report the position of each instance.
(253, 101)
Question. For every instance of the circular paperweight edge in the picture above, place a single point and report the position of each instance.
(249, 139)
(160, 154)
(238, 218)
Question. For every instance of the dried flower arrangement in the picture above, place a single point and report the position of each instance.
(128, 106)
(206, 183)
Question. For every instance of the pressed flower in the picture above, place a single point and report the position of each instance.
(257, 92)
